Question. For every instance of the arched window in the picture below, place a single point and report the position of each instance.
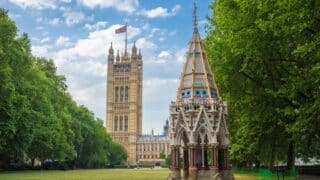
(126, 96)
(126, 123)
(115, 123)
(121, 93)
(121, 124)
(116, 94)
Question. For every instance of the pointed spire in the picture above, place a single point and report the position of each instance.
(139, 54)
(134, 49)
(195, 21)
(118, 56)
(111, 49)
(197, 81)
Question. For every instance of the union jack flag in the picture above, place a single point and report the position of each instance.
(122, 29)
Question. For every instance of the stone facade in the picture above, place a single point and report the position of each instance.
(150, 146)
(124, 99)
(124, 108)
(198, 120)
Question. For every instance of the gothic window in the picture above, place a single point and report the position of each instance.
(115, 123)
(126, 123)
(121, 93)
(116, 94)
(126, 96)
(121, 124)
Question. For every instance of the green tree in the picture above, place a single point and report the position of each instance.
(265, 55)
(38, 118)
(162, 155)
(117, 154)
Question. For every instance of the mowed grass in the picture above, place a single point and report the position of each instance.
(103, 174)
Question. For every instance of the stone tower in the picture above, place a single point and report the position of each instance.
(124, 99)
(198, 119)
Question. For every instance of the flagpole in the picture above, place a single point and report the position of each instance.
(126, 41)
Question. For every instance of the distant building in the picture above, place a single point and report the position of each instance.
(124, 108)
(150, 146)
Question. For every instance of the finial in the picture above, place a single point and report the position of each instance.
(195, 21)
(118, 56)
(139, 54)
(111, 49)
(134, 49)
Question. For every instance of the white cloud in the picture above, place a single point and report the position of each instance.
(72, 17)
(63, 41)
(180, 55)
(45, 40)
(164, 54)
(120, 5)
(37, 4)
(97, 43)
(160, 12)
(54, 21)
(41, 51)
(14, 16)
(96, 26)
(66, 1)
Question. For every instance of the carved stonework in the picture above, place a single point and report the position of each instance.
(198, 119)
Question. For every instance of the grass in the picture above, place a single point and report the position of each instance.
(107, 174)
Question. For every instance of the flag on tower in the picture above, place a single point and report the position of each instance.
(122, 29)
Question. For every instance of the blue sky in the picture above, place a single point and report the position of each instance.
(76, 34)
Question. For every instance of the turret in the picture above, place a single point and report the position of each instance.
(111, 54)
(139, 55)
(118, 57)
(134, 52)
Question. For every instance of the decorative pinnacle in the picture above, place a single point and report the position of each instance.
(195, 21)
(111, 49)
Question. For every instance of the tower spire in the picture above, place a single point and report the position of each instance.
(195, 21)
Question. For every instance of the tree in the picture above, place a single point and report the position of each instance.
(38, 118)
(117, 154)
(162, 155)
(265, 55)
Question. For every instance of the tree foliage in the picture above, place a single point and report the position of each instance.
(38, 118)
(266, 58)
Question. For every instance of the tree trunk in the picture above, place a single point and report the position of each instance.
(271, 160)
(291, 156)
(32, 162)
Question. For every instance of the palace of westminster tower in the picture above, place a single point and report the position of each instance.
(124, 99)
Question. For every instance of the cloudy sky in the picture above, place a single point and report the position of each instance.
(76, 34)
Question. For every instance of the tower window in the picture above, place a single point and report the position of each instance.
(116, 94)
(121, 93)
(121, 124)
(126, 96)
(126, 123)
(115, 123)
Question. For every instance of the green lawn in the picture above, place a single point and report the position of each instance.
(102, 174)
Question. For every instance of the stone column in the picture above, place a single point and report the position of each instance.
(175, 161)
(214, 158)
(203, 157)
(224, 158)
(185, 162)
(192, 161)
